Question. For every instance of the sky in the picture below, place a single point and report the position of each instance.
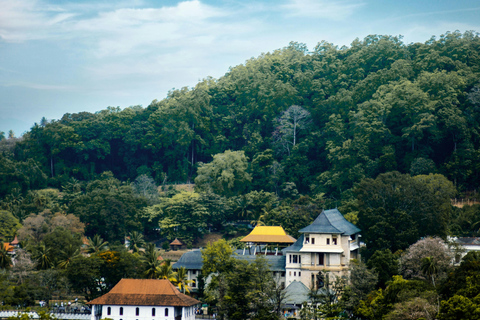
(60, 56)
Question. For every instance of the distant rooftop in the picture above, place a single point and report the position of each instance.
(333, 222)
(268, 234)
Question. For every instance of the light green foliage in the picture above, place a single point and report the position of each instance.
(181, 216)
(227, 174)
(8, 226)
(217, 257)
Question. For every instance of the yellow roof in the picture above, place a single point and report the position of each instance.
(264, 234)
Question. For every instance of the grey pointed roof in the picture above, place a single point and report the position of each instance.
(331, 221)
(296, 293)
(191, 260)
(296, 246)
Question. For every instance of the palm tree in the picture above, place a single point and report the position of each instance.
(69, 253)
(151, 262)
(96, 244)
(136, 241)
(5, 259)
(429, 268)
(166, 271)
(42, 256)
(181, 280)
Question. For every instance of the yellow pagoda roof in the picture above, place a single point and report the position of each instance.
(268, 234)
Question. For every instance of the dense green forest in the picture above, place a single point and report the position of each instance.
(387, 132)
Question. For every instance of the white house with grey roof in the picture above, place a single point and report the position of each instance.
(327, 244)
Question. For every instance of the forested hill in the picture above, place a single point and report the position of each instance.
(308, 121)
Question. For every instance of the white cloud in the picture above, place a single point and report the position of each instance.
(325, 9)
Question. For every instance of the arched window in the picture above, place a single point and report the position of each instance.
(153, 312)
(137, 311)
(121, 311)
(166, 312)
(109, 311)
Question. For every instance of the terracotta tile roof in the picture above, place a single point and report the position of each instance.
(7, 246)
(145, 292)
(264, 234)
(15, 241)
(176, 242)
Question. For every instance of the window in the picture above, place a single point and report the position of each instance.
(299, 258)
(299, 273)
(321, 259)
(295, 273)
(194, 272)
(109, 311)
(153, 312)
(334, 240)
(121, 311)
(283, 274)
(307, 239)
(328, 240)
(194, 283)
(295, 258)
(166, 312)
(313, 240)
(137, 311)
(289, 273)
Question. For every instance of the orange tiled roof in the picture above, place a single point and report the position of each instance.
(176, 242)
(267, 234)
(15, 241)
(7, 246)
(145, 292)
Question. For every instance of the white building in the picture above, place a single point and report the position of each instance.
(144, 299)
(327, 244)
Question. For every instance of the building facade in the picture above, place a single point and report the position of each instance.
(144, 299)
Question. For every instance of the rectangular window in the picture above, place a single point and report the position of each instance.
(299, 258)
(328, 240)
(194, 283)
(299, 273)
(321, 259)
(295, 258)
(153, 312)
(334, 241)
(137, 311)
(313, 240)
(307, 239)
(109, 311)
(194, 272)
(166, 312)
(295, 273)
(121, 311)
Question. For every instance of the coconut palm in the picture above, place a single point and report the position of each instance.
(70, 252)
(96, 244)
(166, 271)
(136, 241)
(42, 256)
(181, 280)
(151, 262)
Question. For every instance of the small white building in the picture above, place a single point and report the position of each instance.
(144, 299)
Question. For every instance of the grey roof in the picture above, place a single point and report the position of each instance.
(191, 260)
(276, 263)
(296, 246)
(333, 222)
(296, 293)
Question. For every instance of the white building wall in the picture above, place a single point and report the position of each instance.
(145, 313)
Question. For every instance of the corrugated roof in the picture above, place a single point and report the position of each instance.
(268, 234)
(145, 292)
(275, 263)
(332, 222)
